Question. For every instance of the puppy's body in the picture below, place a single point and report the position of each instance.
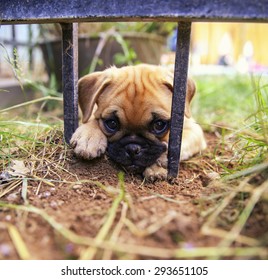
(131, 119)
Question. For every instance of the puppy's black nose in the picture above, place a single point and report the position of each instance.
(133, 149)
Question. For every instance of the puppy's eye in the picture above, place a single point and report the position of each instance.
(159, 127)
(111, 125)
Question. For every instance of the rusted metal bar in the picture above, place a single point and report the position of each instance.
(69, 78)
(178, 100)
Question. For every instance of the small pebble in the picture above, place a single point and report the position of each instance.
(46, 194)
(60, 202)
(213, 175)
(100, 196)
(5, 250)
(54, 204)
(8, 218)
(12, 197)
(188, 246)
(75, 187)
(69, 248)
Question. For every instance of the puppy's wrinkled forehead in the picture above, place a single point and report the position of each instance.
(137, 94)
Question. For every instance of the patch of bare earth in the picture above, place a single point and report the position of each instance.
(154, 215)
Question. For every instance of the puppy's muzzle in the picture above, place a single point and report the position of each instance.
(135, 153)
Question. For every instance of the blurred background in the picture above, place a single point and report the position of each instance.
(30, 55)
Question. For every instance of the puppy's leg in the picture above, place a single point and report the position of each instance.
(89, 141)
(193, 140)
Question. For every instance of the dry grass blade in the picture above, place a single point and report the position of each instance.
(256, 168)
(168, 198)
(102, 234)
(6, 188)
(46, 98)
(153, 227)
(215, 252)
(24, 190)
(239, 225)
(107, 255)
(18, 242)
(223, 233)
(209, 229)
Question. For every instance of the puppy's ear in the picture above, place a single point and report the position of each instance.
(89, 89)
(189, 95)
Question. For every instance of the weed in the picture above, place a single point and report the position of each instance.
(225, 105)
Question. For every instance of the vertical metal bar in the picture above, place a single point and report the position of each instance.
(178, 100)
(69, 78)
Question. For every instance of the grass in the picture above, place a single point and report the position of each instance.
(233, 108)
(223, 99)
(237, 108)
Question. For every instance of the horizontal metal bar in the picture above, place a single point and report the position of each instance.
(35, 11)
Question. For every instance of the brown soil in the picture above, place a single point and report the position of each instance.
(162, 215)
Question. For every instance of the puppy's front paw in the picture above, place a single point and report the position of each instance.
(155, 172)
(88, 143)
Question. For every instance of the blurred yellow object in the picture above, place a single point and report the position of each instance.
(236, 41)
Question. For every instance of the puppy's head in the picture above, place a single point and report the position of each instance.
(133, 106)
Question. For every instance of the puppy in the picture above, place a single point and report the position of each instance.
(126, 113)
